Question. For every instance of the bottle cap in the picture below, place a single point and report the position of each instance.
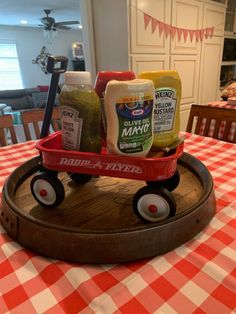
(77, 78)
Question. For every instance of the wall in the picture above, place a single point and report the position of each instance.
(29, 42)
(110, 34)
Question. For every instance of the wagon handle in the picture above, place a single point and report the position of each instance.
(56, 66)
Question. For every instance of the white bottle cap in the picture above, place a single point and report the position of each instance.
(77, 78)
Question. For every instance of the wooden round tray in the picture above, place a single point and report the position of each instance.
(96, 223)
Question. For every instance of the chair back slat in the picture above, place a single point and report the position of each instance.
(7, 130)
(215, 122)
(35, 118)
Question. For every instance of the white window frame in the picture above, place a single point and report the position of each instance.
(10, 79)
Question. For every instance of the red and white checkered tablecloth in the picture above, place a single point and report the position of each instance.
(219, 104)
(197, 277)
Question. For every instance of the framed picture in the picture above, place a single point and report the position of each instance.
(78, 50)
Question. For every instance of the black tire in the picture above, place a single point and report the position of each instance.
(47, 189)
(152, 205)
(80, 177)
(169, 184)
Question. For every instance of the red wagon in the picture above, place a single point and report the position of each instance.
(153, 202)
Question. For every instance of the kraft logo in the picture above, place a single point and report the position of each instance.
(89, 164)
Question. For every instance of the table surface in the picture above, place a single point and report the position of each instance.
(221, 104)
(197, 277)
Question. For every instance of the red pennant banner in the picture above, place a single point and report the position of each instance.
(179, 31)
(154, 24)
(147, 19)
(191, 34)
(167, 30)
(185, 32)
(211, 31)
(161, 27)
(171, 31)
(197, 34)
(201, 34)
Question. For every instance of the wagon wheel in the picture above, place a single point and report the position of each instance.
(47, 189)
(169, 184)
(80, 177)
(153, 205)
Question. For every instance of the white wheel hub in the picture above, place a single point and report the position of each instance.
(153, 207)
(44, 192)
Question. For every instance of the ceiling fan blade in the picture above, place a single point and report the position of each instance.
(67, 23)
(60, 26)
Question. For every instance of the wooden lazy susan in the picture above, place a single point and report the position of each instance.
(96, 223)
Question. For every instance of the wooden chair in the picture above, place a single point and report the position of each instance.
(35, 117)
(7, 131)
(219, 123)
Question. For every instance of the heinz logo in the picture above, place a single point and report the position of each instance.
(66, 113)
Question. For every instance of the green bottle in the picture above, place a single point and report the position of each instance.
(80, 112)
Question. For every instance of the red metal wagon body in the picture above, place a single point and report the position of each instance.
(54, 157)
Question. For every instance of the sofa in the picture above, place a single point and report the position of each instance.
(28, 98)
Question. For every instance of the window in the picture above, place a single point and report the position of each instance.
(10, 77)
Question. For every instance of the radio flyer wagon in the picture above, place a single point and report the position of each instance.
(153, 202)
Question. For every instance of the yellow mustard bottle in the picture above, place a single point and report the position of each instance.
(166, 114)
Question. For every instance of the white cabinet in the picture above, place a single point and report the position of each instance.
(142, 62)
(145, 40)
(196, 60)
(188, 69)
(186, 15)
(214, 15)
(210, 70)
(152, 50)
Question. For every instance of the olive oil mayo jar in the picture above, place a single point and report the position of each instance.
(166, 115)
(129, 113)
(80, 113)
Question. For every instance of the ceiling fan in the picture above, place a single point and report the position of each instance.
(49, 22)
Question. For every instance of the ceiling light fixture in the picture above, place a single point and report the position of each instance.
(50, 34)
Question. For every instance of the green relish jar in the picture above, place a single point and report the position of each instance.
(80, 112)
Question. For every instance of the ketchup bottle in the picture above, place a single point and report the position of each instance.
(103, 77)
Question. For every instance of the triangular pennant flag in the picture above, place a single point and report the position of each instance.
(211, 31)
(173, 31)
(167, 30)
(191, 34)
(185, 31)
(161, 27)
(201, 34)
(154, 24)
(179, 32)
(206, 32)
(197, 34)
(147, 19)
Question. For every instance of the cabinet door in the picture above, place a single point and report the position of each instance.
(144, 40)
(214, 15)
(141, 63)
(186, 14)
(188, 69)
(211, 57)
